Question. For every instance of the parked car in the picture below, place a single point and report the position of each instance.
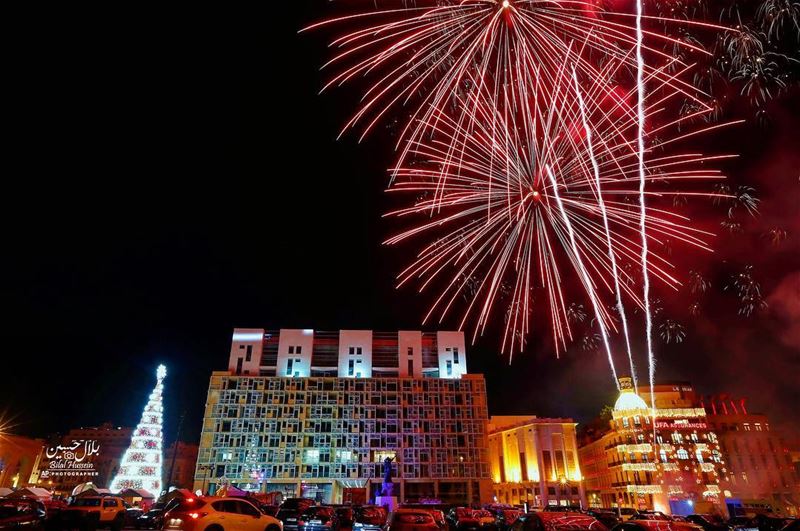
(625, 513)
(438, 517)
(318, 518)
(344, 515)
(557, 521)
(369, 518)
(563, 509)
(607, 517)
(771, 523)
(466, 519)
(411, 520)
(53, 507)
(269, 510)
(793, 525)
(709, 522)
(651, 515)
(132, 515)
(22, 513)
(152, 519)
(94, 512)
(234, 514)
(650, 521)
(742, 523)
(506, 518)
(290, 510)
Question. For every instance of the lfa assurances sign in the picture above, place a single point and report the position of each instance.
(73, 459)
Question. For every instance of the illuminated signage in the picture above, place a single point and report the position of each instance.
(676, 425)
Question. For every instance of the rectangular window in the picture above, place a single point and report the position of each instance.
(449, 368)
(289, 365)
(350, 367)
(298, 349)
(291, 349)
(358, 350)
(352, 350)
(239, 366)
(455, 355)
(410, 351)
(523, 464)
(411, 367)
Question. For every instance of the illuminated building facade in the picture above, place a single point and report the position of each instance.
(314, 414)
(19, 460)
(760, 468)
(679, 472)
(535, 461)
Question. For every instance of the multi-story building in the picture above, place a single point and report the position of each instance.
(535, 461)
(315, 414)
(180, 461)
(676, 467)
(19, 460)
(759, 464)
(110, 443)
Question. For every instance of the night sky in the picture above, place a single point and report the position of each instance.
(172, 175)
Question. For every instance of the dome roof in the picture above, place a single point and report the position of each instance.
(629, 400)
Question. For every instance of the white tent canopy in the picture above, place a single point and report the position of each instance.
(32, 492)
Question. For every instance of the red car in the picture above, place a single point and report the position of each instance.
(656, 522)
(22, 513)
(557, 521)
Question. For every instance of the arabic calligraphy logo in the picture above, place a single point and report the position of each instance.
(73, 459)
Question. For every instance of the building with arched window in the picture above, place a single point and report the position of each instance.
(674, 466)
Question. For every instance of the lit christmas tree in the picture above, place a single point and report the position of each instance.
(140, 467)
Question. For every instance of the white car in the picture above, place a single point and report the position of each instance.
(218, 514)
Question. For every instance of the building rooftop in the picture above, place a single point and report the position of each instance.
(628, 400)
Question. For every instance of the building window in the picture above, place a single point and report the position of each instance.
(663, 456)
(758, 426)
(449, 368)
(311, 456)
(746, 426)
(411, 367)
(683, 454)
(455, 355)
(289, 365)
(350, 367)
(410, 351)
(344, 456)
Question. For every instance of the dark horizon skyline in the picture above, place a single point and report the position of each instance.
(173, 179)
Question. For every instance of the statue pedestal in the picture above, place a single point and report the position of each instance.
(390, 502)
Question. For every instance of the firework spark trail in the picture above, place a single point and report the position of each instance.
(601, 204)
(495, 226)
(430, 52)
(587, 281)
(640, 90)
